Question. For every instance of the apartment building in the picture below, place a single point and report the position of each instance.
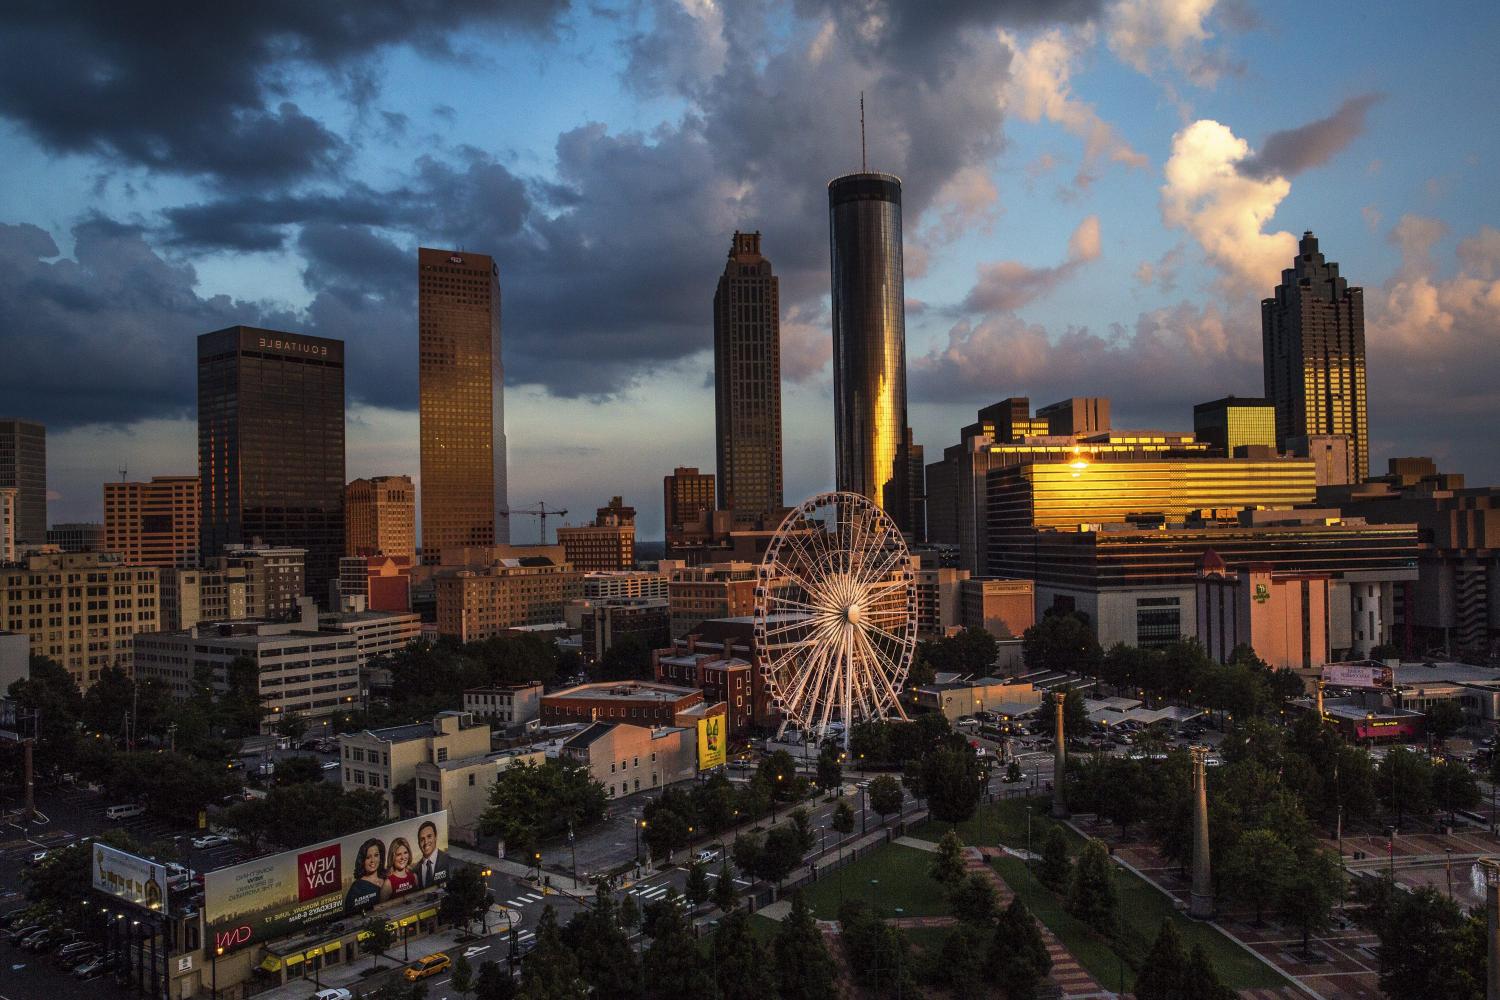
(383, 759)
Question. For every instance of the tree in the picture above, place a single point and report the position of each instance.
(1405, 783)
(466, 898)
(842, 820)
(1075, 713)
(830, 768)
(463, 975)
(671, 967)
(725, 896)
(779, 771)
(530, 802)
(1013, 771)
(669, 819)
(628, 658)
(973, 900)
(1453, 786)
(1444, 718)
(549, 971)
(746, 851)
(781, 854)
(952, 781)
(377, 940)
(1062, 642)
(598, 940)
(493, 983)
(293, 726)
(1313, 889)
(1427, 948)
(960, 962)
(240, 709)
(697, 883)
(948, 862)
(298, 771)
(877, 953)
(741, 966)
(884, 795)
(804, 969)
(1203, 982)
(1256, 870)
(1091, 896)
(1018, 960)
(1055, 867)
(1164, 974)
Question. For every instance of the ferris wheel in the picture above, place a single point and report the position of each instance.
(835, 614)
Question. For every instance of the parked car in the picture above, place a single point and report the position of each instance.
(127, 811)
(427, 965)
(706, 855)
(21, 933)
(337, 993)
(11, 918)
(95, 966)
(330, 765)
(37, 857)
(42, 941)
(210, 840)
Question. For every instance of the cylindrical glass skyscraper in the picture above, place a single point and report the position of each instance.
(869, 338)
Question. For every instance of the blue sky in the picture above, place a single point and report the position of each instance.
(1097, 195)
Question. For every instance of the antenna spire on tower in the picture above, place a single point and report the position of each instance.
(863, 168)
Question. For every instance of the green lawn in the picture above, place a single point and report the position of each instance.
(900, 882)
(1142, 907)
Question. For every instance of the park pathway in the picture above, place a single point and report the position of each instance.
(1067, 973)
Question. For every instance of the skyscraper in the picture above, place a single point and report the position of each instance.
(1313, 334)
(869, 339)
(271, 445)
(747, 380)
(461, 380)
(23, 467)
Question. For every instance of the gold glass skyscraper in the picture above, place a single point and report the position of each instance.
(869, 340)
(1313, 334)
(747, 380)
(461, 381)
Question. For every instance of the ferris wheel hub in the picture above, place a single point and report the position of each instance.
(852, 614)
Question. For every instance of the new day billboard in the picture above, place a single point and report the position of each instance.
(284, 893)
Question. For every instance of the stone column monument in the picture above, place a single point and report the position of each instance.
(1201, 895)
(1060, 759)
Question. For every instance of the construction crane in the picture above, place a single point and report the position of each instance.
(540, 512)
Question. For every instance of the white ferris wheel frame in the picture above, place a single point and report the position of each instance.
(835, 614)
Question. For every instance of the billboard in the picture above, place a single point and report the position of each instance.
(130, 879)
(1357, 675)
(712, 749)
(344, 878)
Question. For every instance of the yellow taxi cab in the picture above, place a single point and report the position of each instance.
(427, 965)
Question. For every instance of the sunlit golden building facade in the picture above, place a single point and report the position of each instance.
(461, 383)
(1069, 494)
(1235, 422)
(155, 523)
(1313, 335)
(380, 517)
(869, 340)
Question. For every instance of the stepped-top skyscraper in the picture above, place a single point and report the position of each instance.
(747, 380)
(461, 382)
(1313, 332)
(869, 339)
(271, 445)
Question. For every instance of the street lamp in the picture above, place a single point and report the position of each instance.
(217, 953)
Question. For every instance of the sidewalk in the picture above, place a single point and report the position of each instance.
(355, 975)
(515, 869)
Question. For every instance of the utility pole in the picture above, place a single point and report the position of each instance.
(1201, 896)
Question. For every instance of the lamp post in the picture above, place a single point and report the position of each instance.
(773, 799)
(215, 964)
(639, 826)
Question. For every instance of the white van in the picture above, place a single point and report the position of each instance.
(124, 812)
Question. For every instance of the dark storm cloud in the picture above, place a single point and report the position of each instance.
(106, 335)
(191, 87)
(608, 264)
(1289, 152)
